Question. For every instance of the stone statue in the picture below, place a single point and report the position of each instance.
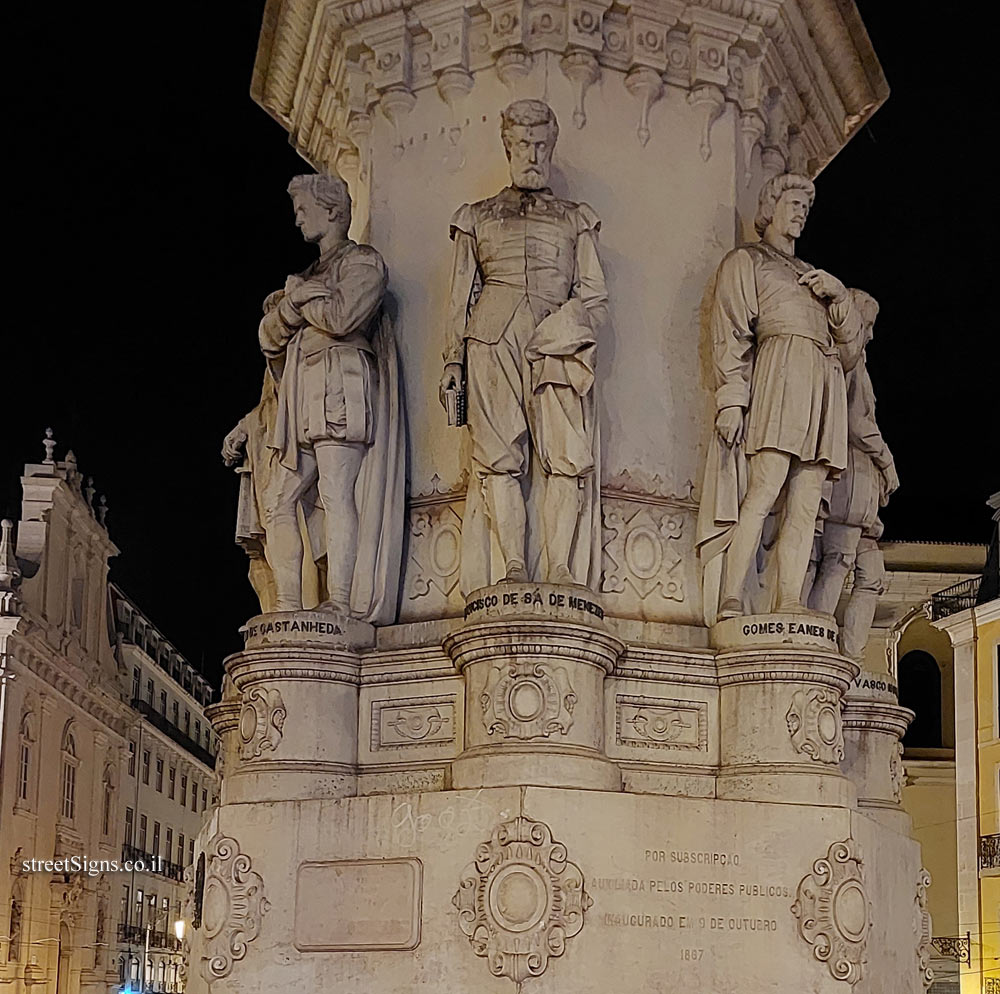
(851, 527)
(783, 334)
(330, 423)
(527, 299)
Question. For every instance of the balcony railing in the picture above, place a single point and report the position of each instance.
(956, 947)
(172, 731)
(135, 935)
(989, 852)
(951, 600)
(154, 864)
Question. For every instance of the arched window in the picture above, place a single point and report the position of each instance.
(25, 760)
(70, 762)
(920, 691)
(15, 924)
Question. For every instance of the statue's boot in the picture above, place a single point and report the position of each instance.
(869, 585)
(560, 517)
(505, 505)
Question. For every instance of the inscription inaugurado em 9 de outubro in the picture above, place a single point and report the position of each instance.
(675, 898)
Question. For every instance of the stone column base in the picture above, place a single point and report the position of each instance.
(874, 724)
(781, 686)
(534, 657)
(297, 733)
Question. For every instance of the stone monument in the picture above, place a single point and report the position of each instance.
(532, 774)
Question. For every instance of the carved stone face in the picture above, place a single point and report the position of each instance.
(790, 213)
(530, 152)
(311, 217)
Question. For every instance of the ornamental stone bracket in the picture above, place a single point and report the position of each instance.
(924, 931)
(261, 719)
(814, 724)
(802, 74)
(232, 907)
(521, 900)
(834, 912)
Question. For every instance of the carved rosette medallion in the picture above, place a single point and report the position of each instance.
(521, 899)
(815, 726)
(525, 700)
(834, 912)
(261, 719)
(924, 931)
(232, 907)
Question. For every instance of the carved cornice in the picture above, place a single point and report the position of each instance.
(323, 64)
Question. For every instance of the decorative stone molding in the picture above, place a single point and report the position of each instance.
(415, 721)
(435, 552)
(834, 912)
(521, 900)
(232, 909)
(661, 723)
(581, 69)
(924, 931)
(318, 67)
(527, 700)
(896, 773)
(261, 720)
(814, 724)
(638, 552)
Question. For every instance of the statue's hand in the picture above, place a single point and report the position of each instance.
(729, 425)
(888, 483)
(307, 290)
(451, 379)
(824, 285)
(232, 445)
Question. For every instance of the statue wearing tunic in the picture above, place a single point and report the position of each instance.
(527, 297)
(783, 334)
(851, 527)
(334, 424)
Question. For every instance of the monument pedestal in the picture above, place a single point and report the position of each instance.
(781, 686)
(534, 657)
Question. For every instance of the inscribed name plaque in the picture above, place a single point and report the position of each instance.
(776, 631)
(358, 904)
(535, 602)
(314, 628)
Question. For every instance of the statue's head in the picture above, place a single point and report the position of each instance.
(321, 202)
(867, 307)
(784, 203)
(529, 130)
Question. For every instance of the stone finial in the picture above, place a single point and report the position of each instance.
(72, 472)
(102, 511)
(10, 574)
(89, 492)
(50, 446)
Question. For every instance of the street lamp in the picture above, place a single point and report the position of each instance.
(179, 929)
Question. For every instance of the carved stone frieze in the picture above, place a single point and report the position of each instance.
(232, 907)
(392, 50)
(815, 725)
(834, 913)
(639, 552)
(661, 723)
(521, 900)
(261, 719)
(527, 700)
(416, 721)
(924, 931)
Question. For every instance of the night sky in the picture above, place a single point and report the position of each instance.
(149, 218)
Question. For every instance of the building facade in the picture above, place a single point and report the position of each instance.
(74, 734)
